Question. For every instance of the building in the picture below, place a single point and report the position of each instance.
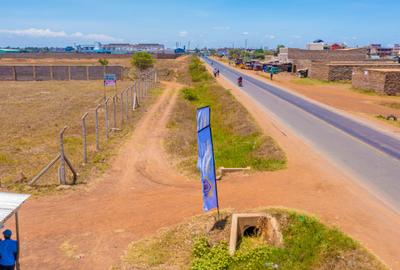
(379, 51)
(337, 46)
(88, 48)
(317, 45)
(303, 58)
(396, 49)
(130, 48)
(381, 80)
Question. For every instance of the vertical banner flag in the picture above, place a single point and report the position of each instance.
(203, 120)
(207, 169)
(203, 117)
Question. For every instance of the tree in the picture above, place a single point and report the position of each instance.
(234, 53)
(142, 60)
(278, 47)
(259, 54)
(103, 62)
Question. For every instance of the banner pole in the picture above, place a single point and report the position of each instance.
(215, 176)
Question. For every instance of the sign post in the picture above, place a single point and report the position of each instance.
(110, 80)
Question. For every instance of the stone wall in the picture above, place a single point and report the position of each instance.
(384, 81)
(392, 84)
(325, 55)
(343, 71)
(318, 70)
(7, 73)
(63, 73)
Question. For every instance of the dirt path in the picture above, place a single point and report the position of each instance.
(141, 193)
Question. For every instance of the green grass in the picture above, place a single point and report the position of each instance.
(365, 91)
(308, 244)
(238, 141)
(393, 105)
(394, 123)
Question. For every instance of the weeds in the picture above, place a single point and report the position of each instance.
(238, 142)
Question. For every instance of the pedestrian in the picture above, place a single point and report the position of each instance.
(8, 252)
(271, 74)
(217, 72)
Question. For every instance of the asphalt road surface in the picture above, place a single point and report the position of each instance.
(368, 154)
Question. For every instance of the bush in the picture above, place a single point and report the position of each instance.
(210, 258)
(198, 71)
(142, 60)
(189, 94)
(103, 62)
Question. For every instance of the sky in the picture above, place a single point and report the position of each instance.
(203, 23)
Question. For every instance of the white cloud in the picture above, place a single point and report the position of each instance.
(226, 28)
(47, 33)
(245, 33)
(270, 36)
(296, 36)
(183, 33)
(34, 32)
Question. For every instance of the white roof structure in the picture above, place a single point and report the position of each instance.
(9, 204)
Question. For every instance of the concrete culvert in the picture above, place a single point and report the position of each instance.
(251, 231)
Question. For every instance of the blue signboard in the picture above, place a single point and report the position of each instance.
(207, 169)
(110, 79)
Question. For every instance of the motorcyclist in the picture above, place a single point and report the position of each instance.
(240, 81)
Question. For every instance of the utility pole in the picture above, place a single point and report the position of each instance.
(245, 43)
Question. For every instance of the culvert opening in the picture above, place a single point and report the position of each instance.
(250, 231)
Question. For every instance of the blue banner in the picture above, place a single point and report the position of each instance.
(203, 118)
(207, 170)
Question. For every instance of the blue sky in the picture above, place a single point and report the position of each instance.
(204, 23)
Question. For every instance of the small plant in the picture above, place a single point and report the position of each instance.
(103, 62)
(189, 94)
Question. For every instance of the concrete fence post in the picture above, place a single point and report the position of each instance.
(106, 117)
(62, 158)
(122, 108)
(127, 104)
(133, 96)
(96, 126)
(115, 111)
(84, 135)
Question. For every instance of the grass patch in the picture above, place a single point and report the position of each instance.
(364, 91)
(393, 105)
(33, 114)
(238, 141)
(384, 119)
(308, 244)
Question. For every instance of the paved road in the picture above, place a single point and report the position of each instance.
(370, 155)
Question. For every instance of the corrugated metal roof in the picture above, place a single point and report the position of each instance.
(9, 203)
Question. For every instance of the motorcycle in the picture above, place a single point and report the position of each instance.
(240, 82)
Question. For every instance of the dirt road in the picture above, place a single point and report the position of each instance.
(141, 193)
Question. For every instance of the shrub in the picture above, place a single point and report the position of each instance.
(103, 62)
(142, 60)
(189, 94)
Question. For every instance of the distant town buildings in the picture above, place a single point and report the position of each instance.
(112, 48)
(377, 51)
(130, 48)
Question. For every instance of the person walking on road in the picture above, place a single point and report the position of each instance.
(8, 252)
